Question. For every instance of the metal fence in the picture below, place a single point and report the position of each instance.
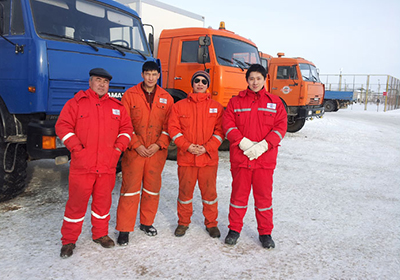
(367, 88)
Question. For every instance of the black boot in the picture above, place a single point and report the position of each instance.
(267, 242)
(149, 230)
(123, 238)
(232, 237)
(67, 250)
(213, 231)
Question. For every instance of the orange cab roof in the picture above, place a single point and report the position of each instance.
(200, 31)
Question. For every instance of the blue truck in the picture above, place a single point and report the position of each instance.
(335, 100)
(47, 48)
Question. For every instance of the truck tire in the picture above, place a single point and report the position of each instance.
(329, 106)
(295, 125)
(13, 169)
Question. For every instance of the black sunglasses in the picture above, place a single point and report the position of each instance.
(197, 80)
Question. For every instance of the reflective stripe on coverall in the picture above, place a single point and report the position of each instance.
(149, 126)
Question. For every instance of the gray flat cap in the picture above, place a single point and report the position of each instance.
(100, 72)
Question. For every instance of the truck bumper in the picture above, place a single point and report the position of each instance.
(37, 130)
(311, 112)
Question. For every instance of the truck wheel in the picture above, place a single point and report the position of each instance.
(295, 125)
(12, 170)
(329, 106)
(172, 151)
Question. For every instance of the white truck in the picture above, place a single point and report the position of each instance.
(158, 15)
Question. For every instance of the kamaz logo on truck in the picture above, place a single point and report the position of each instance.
(117, 95)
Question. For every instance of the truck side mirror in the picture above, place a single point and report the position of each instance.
(1, 19)
(204, 41)
(292, 72)
(151, 42)
(151, 37)
(202, 55)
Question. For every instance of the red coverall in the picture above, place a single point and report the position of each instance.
(197, 120)
(91, 128)
(149, 126)
(256, 116)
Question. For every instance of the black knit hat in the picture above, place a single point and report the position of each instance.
(204, 74)
(100, 72)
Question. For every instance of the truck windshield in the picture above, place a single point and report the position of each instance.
(86, 21)
(234, 53)
(309, 72)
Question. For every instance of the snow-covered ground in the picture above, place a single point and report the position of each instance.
(336, 205)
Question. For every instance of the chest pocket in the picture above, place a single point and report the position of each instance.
(184, 121)
(161, 111)
(136, 113)
(266, 116)
(241, 115)
(82, 125)
(115, 120)
(82, 120)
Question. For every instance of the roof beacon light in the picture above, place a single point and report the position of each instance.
(222, 25)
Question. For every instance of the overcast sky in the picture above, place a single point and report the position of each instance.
(357, 36)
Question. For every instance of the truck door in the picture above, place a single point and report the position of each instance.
(284, 83)
(14, 50)
(186, 62)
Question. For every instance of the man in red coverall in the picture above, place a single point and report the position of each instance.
(148, 106)
(195, 125)
(96, 129)
(254, 122)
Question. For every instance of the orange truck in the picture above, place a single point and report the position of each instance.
(296, 82)
(222, 53)
(179, 39)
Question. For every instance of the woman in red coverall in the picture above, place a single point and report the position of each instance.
(254, 122)
(195, 125)
(96, 129)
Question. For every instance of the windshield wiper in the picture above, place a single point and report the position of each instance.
(117, 46)
(90, 43)
(225, 59)
(114, 47)
(228, 60)
(71, 39)
(240, 62)
(139, 53)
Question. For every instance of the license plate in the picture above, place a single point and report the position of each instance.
(318, 112)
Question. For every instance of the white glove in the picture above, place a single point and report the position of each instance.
(246, 144)
(257, 150)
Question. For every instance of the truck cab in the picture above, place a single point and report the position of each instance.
(47, 49)
(296, 82)
(222, 53)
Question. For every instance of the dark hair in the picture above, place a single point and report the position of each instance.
(256, 68)
(150, 66)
